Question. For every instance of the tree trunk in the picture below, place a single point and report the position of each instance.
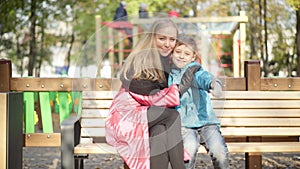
(69, 51)
(251, 35)
(261, 38)
(32, 48)
(298, 41)
(42, 54)
(266, 39)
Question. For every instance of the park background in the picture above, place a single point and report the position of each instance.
(45, 38)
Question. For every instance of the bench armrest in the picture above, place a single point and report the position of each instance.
(70, 137)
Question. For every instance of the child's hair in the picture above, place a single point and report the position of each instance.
(184, 39)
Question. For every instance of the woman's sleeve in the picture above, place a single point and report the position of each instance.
(167, 97)
(142, 87)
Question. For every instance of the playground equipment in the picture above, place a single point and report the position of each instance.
(216, 27)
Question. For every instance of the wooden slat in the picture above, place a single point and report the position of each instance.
(273, 95)
(264, 147)
(92, 123)
(93, 132)
(64, 84)
(226, 131)
(94, 113)
(263, 122)
(233, 84)
(257, 104)
(42, 140)
(289, 83)
(103, 148)
(98, 95)
(276, 113)
(102, 113)
(96, 104)
(100, 84)
(41, 84)
(257, 131)
(94, 148)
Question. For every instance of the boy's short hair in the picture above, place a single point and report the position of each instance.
(184, 39)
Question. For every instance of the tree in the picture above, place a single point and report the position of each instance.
(296, 5)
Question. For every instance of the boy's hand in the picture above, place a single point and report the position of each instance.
(187, 79)
(216, 89)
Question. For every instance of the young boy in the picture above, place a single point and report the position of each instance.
(199, 122)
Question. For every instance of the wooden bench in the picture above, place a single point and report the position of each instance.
(253, 122)
(257, 115)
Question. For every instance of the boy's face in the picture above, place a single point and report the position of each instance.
(183, 55)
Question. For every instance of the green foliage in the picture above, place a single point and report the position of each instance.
(15, 33)
(294, 3)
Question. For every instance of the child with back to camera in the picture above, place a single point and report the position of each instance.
(199, 122)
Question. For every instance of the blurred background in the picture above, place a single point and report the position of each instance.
(52, 38)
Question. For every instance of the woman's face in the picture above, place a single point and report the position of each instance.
(183, 55)
(166, 40)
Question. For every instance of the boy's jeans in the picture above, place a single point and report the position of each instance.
(210, 137)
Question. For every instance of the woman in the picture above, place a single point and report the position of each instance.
(142, 123)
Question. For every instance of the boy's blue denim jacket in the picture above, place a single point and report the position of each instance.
(195, 104)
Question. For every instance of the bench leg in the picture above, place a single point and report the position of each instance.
(253, 160)
(79, 163)
(69, 138)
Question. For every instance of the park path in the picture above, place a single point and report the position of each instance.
(49, 158)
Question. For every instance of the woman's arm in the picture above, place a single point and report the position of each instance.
(142, 87)
(168, 97)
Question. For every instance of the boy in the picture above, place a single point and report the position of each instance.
(199, 122)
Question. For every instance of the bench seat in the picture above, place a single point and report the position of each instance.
(103, 148)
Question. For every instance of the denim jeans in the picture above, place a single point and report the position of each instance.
(211, 138)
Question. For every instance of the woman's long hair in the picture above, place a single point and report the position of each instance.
(144, 60)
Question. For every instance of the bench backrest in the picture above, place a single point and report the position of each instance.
(259, 113)
(95, 107)
(241, 113)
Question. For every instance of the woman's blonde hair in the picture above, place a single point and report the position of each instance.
(144, 60)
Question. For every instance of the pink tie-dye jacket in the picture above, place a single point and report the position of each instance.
(126, 125)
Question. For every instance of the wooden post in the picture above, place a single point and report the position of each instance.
(135, 34)
(98, 42)
(3, 141)
(11, 139)
(236, 56)
(252, 75)
(253, 160)
(11, 114)
(121, 48)
(242, 40)
(111, 53)
(5, 75)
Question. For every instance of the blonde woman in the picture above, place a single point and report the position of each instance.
(142, 123)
